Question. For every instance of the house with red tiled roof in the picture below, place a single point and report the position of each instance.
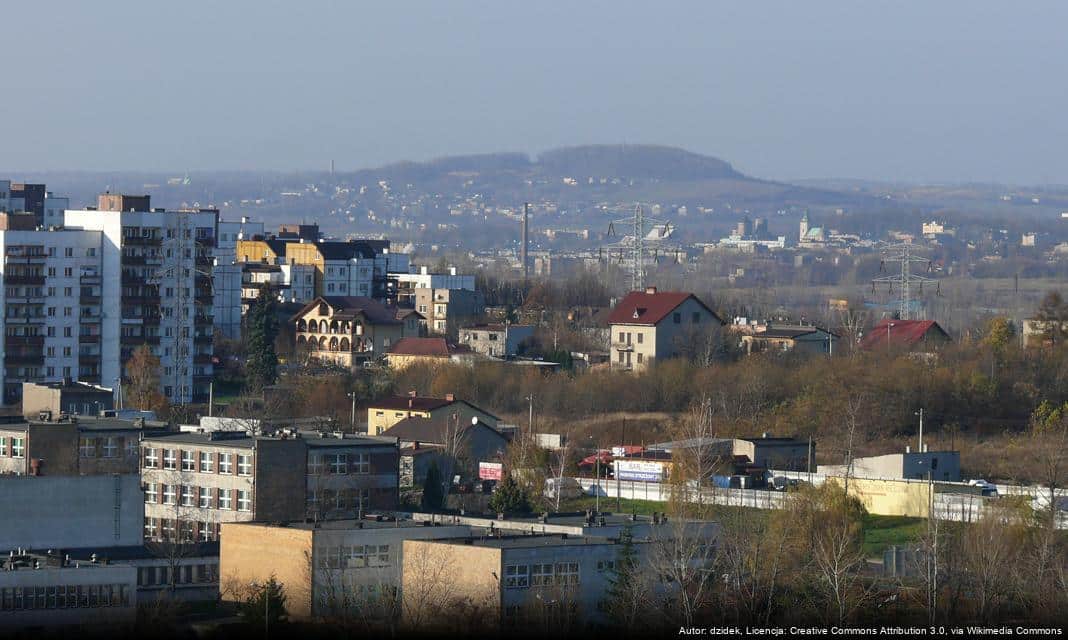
(651, 325)
(408, 351)
(905, 335)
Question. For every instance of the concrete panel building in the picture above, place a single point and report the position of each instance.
(943, 466)
(66, 512)
(53, 309)
(156, 269)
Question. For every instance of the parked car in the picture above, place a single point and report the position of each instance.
(566, 487)
(987, 488)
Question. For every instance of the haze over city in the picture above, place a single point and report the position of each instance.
(915, 91)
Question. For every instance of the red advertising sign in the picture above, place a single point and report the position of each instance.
(490, 470)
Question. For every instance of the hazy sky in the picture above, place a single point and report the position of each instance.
(906, 90)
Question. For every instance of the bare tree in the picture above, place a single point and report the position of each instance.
(681, 555)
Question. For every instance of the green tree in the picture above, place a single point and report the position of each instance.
(265, 604)
(432, 490)
(509, 498)
(624, 597)
(261, 329)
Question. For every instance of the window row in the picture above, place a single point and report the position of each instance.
(202, 497)
(185, 531)
(64, 596)
(521, 576)
(339, 464)
(181, 574)
(109, 447)
(202, 462)
(12, 447)
(357, 557)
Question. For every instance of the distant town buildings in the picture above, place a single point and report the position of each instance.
(496, 340)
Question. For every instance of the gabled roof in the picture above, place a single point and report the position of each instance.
(649, 307)
(350, 306)
(434, 431)
(902, 333)
(430, 347)
(422, 403)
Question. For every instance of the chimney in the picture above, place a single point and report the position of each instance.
(650, 290)
(450, 397)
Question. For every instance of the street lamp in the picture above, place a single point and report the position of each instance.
(352, 419)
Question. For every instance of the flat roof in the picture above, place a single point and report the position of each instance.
(528, 541)
(350, 524)
(243, 441)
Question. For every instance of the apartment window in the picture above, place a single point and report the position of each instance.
(361, 463)
(606, 566)
(188, 463)
(68, 252)
(204, 501)
(226, 463)
(18, 447)
(205, 534)
(151, 526)
(622, 337)
(68, 291)
(68, 312)
(3, 445)
(207, 464)
(188, 499)
(517, 576)
(639, 358)
(167, 529)
(68, 272)
(152, 493)
(170, 459)
(641, 336)
(339, 464)
(541, 575)
(170, 494)
(244, 502)
(244, 465)
(87, 447)
(66, 352)
(68, 332)
(315, 464)
(676, 318)
(567, 573)
(151, 458)
(225, 499)
(131, 448)
(111, 447)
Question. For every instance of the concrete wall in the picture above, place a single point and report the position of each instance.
(280, 467)
(253, 553)
(437, 573)
(891, 497)
(56, 512)
(121, 579)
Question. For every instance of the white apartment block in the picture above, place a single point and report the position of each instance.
(405, 283)
(53, 309)
(157, 289)
(226, 277)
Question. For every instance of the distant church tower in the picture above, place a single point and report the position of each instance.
(804, 227)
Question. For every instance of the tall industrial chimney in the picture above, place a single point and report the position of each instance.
(525, 240)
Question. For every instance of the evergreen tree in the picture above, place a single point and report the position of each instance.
(509, 498)
(265, 604)
(432, 491)
(623, 599)
(261, 329)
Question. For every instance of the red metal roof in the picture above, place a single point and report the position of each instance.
(651, 306)
(900, 333)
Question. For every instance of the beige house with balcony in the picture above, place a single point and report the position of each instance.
(652, 325)
(349, 330)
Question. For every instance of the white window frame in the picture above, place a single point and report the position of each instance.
(18, 447)
(189, 460)
(339, 464)
(152, 493)
(541, 574)
(170, 459)
(204, 499)
(207, 462)
(111, 447)
(151, 458)
(516, 576)
(567, 573)
(244, 500)
(226, 500)
(244, 464)
(170, 494)
(86, 447)
(226, 463)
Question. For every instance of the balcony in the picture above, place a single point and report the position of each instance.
(89, 339)
(139, 241)
(142, 260)
(89, 358)
(24, 359)
(36, 258)
(17, 341)
(24, 279)
(622, 346)
(89, 300)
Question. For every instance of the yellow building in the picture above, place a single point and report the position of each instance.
(349, 330)
(383, 414)
(427, 351)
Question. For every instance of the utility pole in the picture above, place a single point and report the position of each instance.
(619, 485)
(211, 397)
(903, 253)
(352, 418)
(921, 429)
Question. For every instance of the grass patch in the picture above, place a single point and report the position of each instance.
(640, 507)
(881, 532)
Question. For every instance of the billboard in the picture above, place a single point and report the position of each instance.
(490, 470)
(641, 470)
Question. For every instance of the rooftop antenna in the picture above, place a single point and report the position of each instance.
(902, 253)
